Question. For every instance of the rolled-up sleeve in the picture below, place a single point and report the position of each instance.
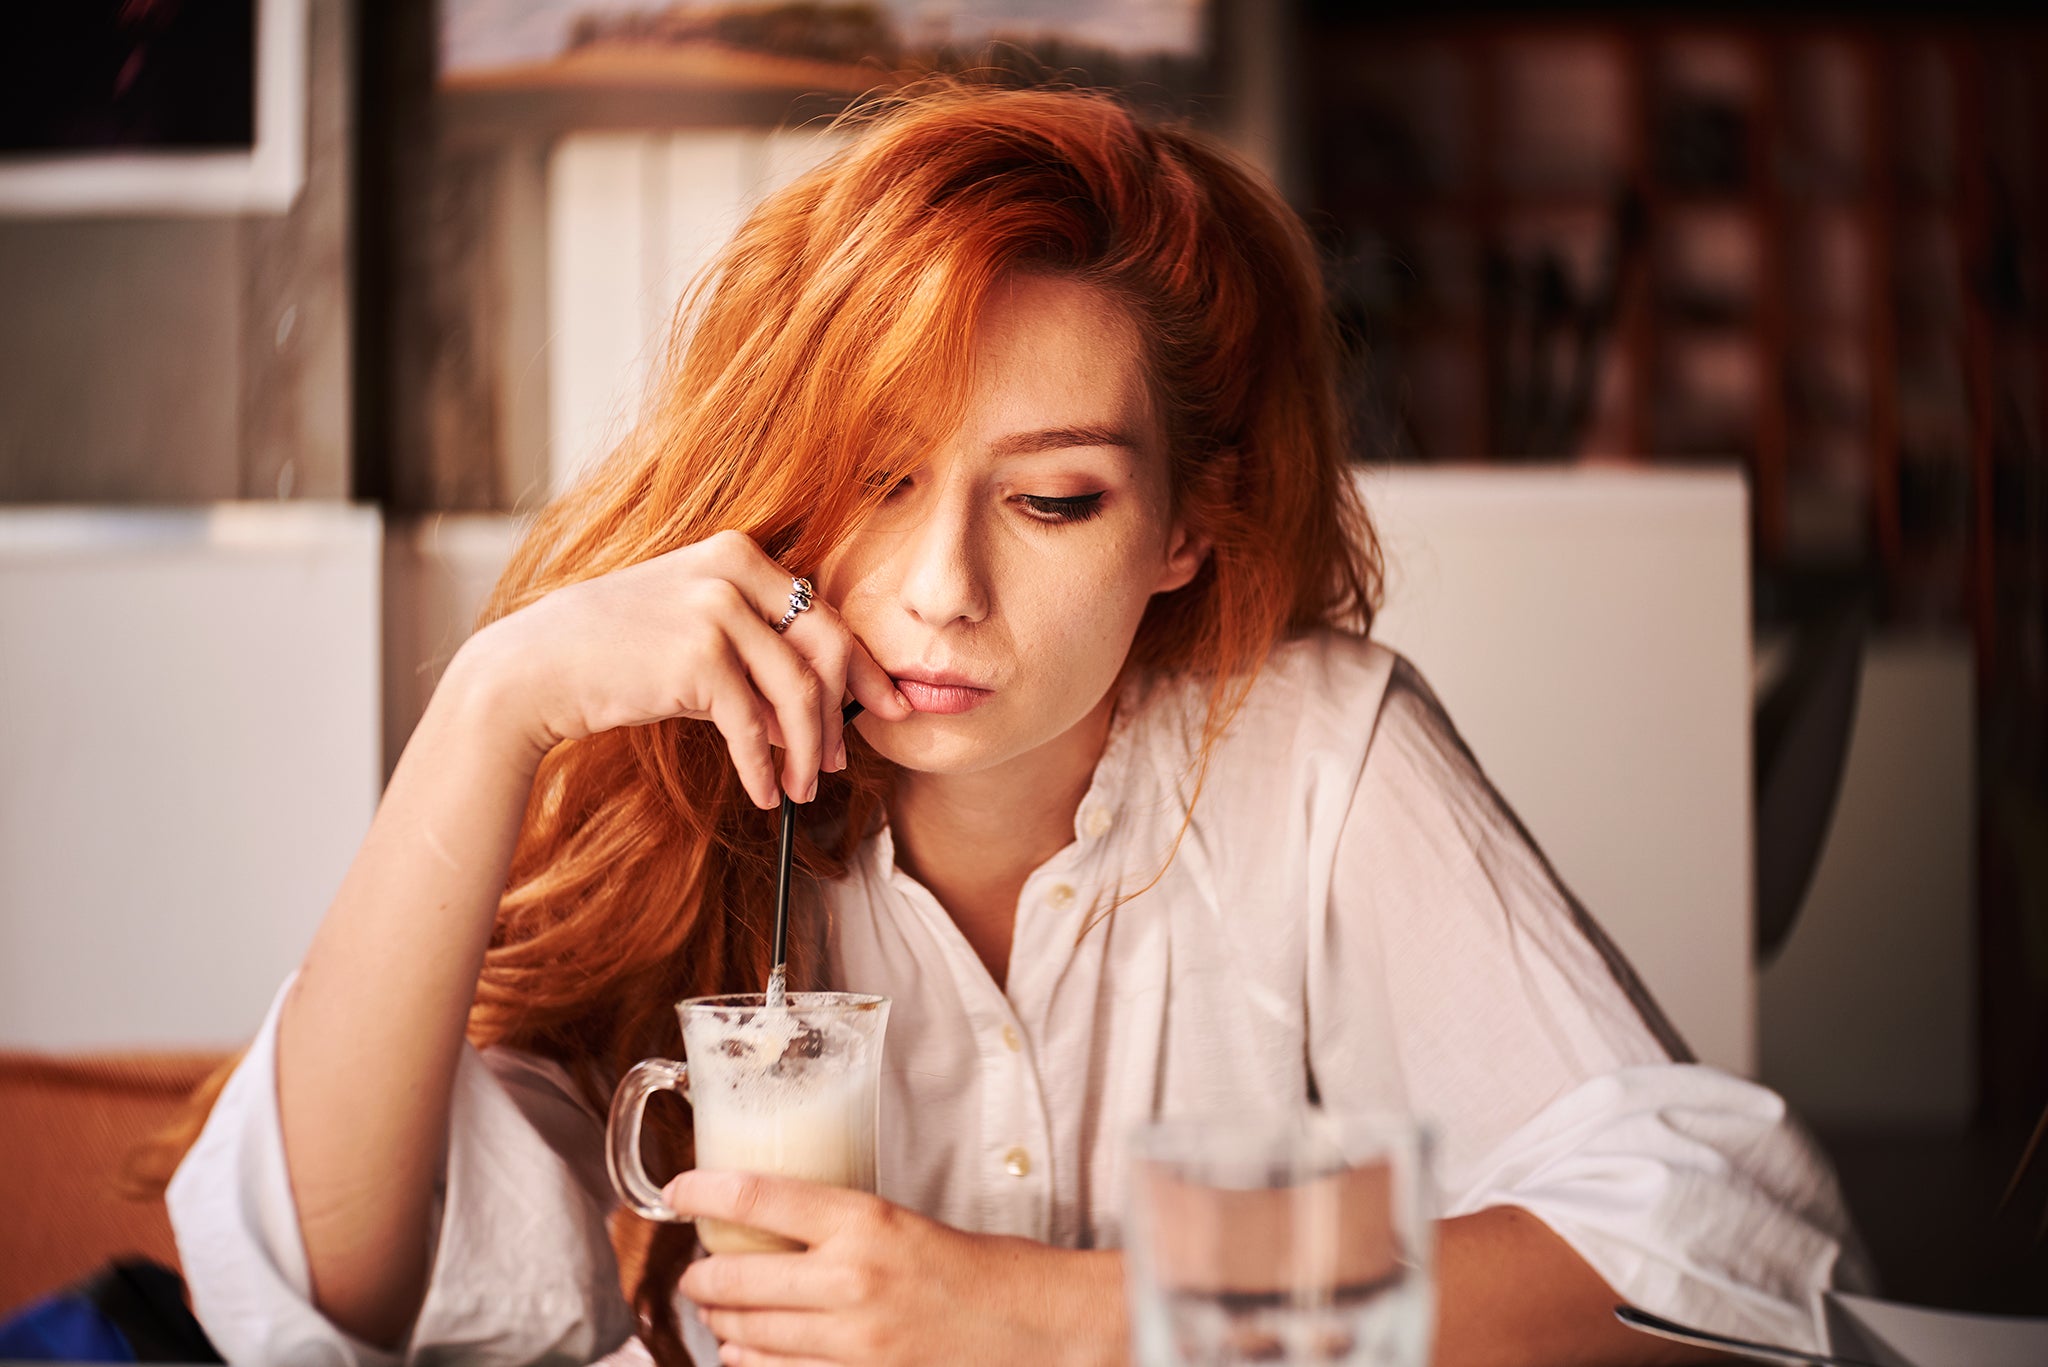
(1692, 1193)
(1555, 1083)
(522, 1263)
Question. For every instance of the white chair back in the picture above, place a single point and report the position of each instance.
(1588, 630)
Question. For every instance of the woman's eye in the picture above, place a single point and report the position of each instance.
(890, 485)
(1079, 508)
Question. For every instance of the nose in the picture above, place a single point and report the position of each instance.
(945, 578)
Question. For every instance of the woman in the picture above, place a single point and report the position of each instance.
(1136, 821)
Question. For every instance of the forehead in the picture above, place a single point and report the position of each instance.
(1051, 351)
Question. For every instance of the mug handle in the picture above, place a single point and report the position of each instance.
(622, 1133)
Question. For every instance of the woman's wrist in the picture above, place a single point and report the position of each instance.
(484, 695)
(1091, 1317)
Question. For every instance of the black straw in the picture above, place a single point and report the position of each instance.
(782, 861)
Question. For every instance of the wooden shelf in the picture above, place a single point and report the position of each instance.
(1784, 170)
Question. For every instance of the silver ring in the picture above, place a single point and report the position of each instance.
(799, 601)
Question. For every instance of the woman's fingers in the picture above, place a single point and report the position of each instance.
(769, 586)
(829, 660)
(793, 689)
(834, 660)
(808, 1212)
(846, 668)
(743, 719)
(871, 685)
(766, 584)
(739, 1355)
(784, 1333)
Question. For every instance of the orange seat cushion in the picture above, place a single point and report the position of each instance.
(66, 1126)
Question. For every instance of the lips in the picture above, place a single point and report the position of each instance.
(942, 692)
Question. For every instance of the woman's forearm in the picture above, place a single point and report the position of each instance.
(1512, 1293)
(1089, 1305)
(369, 1037)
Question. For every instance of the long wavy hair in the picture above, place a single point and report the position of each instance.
(826, 345)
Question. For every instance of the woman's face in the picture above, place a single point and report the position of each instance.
(1003, 579)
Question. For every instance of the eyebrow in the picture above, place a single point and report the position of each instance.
(1059, 438)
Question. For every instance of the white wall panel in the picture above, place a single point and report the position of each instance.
(188, 760)
(438, 570)
(1588, 631)
(597, 321)
(632, 219)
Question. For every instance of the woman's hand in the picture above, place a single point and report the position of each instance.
(688, 634)
(879, 1284)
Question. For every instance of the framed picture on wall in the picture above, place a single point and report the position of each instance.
(135, 107)
(562, 64)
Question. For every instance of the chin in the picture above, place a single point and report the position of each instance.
(929, 744)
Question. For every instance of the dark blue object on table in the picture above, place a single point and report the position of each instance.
(131, 1311)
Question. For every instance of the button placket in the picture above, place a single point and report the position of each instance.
(1042, 930)
(1011, 1101)
(1013, 1192)
(1018, 1132)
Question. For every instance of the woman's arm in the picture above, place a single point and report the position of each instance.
(524, 1170)
(1554, 1083)
(369, 1037)
(880, 1285)
(1511, 1293)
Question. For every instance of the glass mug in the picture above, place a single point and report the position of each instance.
(794, 1092)
(1302, 1238)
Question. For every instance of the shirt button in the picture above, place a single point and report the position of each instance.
(1011, 1039)
(1061, 897)
(1017, 1163)
(1098, 821)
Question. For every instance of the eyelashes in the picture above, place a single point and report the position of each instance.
(1079, 508)
(1040, 507)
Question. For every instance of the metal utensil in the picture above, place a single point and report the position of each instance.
(1645, 1322)
(778, 976)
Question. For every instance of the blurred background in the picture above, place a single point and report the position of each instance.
(1697, 361)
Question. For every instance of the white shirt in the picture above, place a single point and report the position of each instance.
(1351, 912)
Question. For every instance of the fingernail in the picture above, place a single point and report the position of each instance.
(811, 790)
(839, 758)
(902, 701)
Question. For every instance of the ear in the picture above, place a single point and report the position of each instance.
(1185, 553)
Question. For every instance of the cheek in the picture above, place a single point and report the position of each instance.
(1125, 567)
(1085, 598)
(842, 579)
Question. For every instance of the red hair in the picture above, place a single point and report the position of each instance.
(828, 342)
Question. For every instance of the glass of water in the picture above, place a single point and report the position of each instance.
(1303, 1238)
